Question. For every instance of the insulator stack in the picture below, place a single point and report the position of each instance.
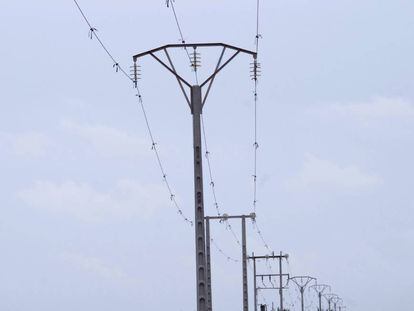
(195, 60)
(135, 73)
(255, 70)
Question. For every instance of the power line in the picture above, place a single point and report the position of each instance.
(196, 104)
(255, 74)
(207, 155)
(170, 3)
(213, 185)
(220, 250)
(118, 67)
(93, 32)
(260, 234)
(258, 35)
(160, 164)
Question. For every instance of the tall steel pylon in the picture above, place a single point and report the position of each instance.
(196, 101)
(320, 290)
(302, 282)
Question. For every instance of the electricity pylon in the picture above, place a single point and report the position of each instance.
(281, 275)
(196, 101)
(330, 298)
(336, 300)
(320, 290)
(302, 282)
(226, 217)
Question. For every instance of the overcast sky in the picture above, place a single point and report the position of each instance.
(86, 222)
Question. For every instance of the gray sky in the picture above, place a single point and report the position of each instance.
(86, 222)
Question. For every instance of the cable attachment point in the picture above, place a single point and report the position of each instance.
(135, 73)
(182, 41)
(195, 60)
(255, 70)
(116, 66)
(92, 31)
(167, 2)
(217, 209)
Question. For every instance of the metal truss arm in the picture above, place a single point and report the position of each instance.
(170, 70)
(304, 281)
(320, 288)
(220, 68)
(272, 274)
(195, 45)
(212, 80)
(178, 80)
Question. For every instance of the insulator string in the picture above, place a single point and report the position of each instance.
(220, 250)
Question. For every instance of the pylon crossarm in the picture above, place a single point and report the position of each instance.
(266, 257)
(272, 274)
(195, 45)
(320, 288)
(181, 81)
(227, 217)
(302, 281)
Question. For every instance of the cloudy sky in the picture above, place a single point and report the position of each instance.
(86, 222)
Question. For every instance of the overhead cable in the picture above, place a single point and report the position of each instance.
(118, 68)
(170, 4)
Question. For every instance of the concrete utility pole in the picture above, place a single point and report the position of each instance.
(302, 282)
(226, 217)
(208, 263)
(280, 257)
(281, 275)
(336, 300)
(196, 101)
(320, 290)
(330, 298)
